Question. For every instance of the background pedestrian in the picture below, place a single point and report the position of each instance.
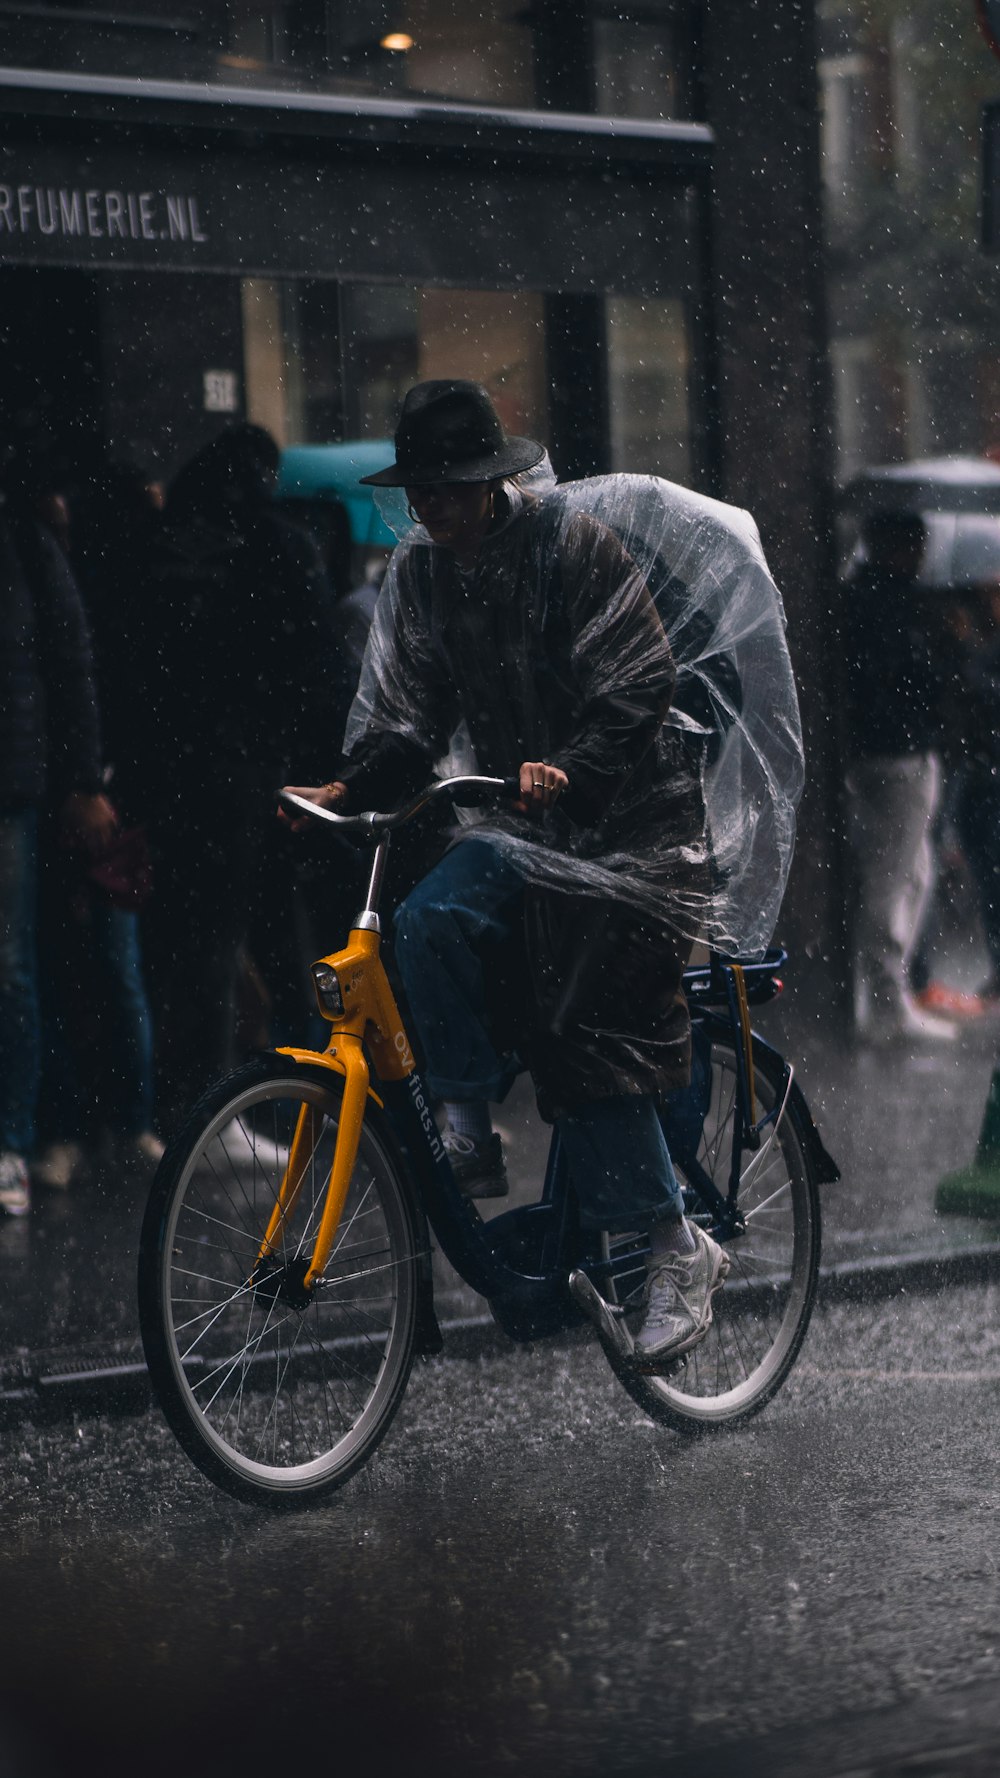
(893, 782)
(234, 638)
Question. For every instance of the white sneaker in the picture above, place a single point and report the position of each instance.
(15, 1186)
(58, 1165)
(679, 1292)
(137, 1155)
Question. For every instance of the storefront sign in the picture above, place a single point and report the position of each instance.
(98, 212)
(71, 213)
(388, 217)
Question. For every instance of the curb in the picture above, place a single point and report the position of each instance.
(873, 1280)
(52, 1384)
(854, 1281)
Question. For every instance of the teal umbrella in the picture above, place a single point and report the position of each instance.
(332, 471)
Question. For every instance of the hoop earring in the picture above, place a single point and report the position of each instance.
(412, 514)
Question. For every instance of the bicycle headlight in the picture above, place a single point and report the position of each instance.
(331, 1000)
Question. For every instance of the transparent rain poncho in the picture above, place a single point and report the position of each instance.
(550, 650)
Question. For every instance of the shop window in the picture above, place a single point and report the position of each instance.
(266, 357)
(428, 48)
(180, 41)
(629, 58)
(643, 60)
(649, 381)
(466, 52)
(494, 337)
(380, 355)
(325, 362)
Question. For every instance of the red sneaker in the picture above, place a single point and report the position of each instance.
(936, 997)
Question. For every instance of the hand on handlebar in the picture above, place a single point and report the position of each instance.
(535, 789)
(541, 786)
(325, 796)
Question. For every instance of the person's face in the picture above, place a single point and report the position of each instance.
(455, 514)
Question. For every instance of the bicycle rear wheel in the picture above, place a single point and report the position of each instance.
(278, 1394)
(761, 1316)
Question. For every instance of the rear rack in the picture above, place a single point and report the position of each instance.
(705, 984)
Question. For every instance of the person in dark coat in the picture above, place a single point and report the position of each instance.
(234, 639)
(530, 624)
(114, 524)
(96, 1097)
(50, 751)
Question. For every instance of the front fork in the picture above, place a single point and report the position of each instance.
(303, 1148)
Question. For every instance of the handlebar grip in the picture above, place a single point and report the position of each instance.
(465, 791)
(470, 795)
(300, 805)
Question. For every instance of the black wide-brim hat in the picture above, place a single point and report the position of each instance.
(449, 431)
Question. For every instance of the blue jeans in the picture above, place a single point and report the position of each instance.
(19, 1017)
(615, 1147)
(98, 1043)
(127, 1101)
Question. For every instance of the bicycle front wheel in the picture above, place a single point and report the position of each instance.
(277, 1393)
(761, 1315)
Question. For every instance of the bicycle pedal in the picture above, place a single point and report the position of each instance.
(669, 1366)
(608, 1321)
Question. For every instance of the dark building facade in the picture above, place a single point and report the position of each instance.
(291, 211)
(251, 215)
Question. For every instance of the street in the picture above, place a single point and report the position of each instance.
(531, 1578)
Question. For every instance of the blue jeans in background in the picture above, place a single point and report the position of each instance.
(615, 1147)
(97, 1058)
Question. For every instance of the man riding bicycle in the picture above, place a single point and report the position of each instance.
(520, 622)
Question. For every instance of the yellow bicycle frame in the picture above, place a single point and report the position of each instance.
(370, 1017)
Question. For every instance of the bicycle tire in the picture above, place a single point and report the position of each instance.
(761, 1316)
(276, 1400)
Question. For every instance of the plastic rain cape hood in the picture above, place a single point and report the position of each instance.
(733, 720)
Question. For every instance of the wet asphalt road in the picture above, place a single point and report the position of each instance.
(530, 1578)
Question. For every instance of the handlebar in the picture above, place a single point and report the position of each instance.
(465, 790)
